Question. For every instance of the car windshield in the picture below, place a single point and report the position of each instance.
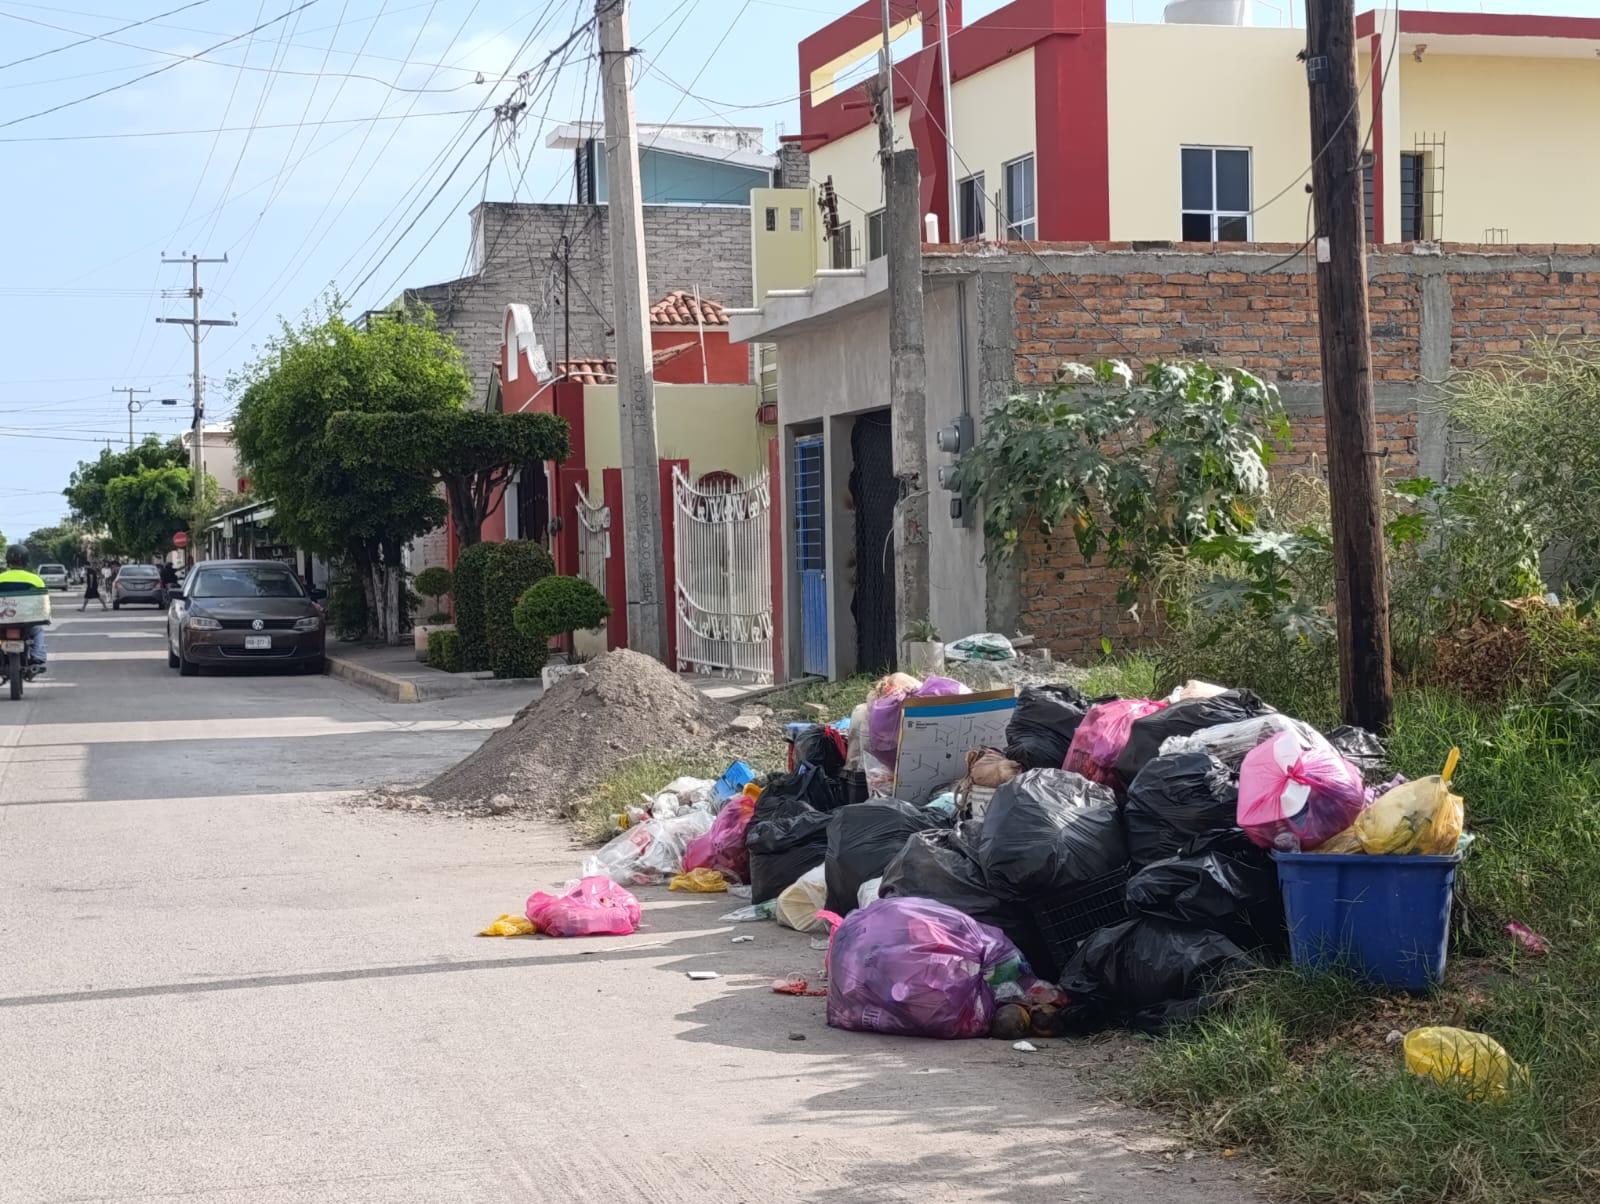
(246, 582)
(138, 570)
(59, 570)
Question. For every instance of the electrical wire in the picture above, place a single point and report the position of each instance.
(234, 129)
(90, 38)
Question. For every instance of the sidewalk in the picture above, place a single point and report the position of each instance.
(396, 674)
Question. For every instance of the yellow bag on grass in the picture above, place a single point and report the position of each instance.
(1455, 1056)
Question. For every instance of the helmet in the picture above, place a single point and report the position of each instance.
(16, 556)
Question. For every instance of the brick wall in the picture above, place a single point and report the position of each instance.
(1432, 309)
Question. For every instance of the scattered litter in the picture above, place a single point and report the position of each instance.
(797, 1036)
(648, 853)
(747, 915)
(1475, 1062)
(508, 925)
(1395, 1037)
(1530, 940)
(740, 940)
(799, 903)
(701, 880)
(591, 907)
(1025, 1047)
(796, 984)
(739, 889)
(702, 975)
(984, 646)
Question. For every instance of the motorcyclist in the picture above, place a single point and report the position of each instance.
(18, 580)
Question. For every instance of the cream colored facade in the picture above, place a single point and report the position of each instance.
(786, 255)
(712, 426)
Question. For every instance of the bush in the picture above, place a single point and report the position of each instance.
(444, 650)
(471, 567)
(433, 582)
(347, 608)
(510, 571)
(559, 605)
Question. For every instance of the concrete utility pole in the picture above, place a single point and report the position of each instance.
(1355, 478)
(133, 407)
(195, 323)
(636, 389)
(908, 369)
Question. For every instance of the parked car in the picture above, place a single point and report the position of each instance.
(54, 575)
(137, 583)
(235, 612)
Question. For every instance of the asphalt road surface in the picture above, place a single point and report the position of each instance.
(219, 981)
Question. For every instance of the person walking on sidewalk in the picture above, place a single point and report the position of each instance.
(91, 589)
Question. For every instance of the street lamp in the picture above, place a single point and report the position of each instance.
(135, 405)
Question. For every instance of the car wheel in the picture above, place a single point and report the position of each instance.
(172, 658)
(187, 667)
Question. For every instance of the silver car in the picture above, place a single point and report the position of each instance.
(53, 575)
(137, 583)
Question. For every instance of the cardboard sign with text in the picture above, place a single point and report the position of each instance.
(936, 734)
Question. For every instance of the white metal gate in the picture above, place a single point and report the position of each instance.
(723, 562)
(594, 540)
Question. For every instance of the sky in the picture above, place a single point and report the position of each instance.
(315, 153)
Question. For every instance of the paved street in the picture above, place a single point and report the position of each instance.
(222, 984)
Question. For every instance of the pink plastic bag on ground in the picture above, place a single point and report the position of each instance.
(1101, 737)
(913, 967)
(594, 906)
(1299, 786)
(883, 714)
(722, 848)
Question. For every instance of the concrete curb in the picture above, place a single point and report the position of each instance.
(398, 688)
(385, 685)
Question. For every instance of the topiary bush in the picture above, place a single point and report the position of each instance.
(471, 567)
(433, 582)
(511, 570)
(444, 650)
(560, 605)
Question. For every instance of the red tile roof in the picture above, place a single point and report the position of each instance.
(604, 371)
(677, 308)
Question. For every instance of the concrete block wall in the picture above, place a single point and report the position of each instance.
(1433, 309)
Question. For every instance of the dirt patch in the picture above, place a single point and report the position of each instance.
(564, 743)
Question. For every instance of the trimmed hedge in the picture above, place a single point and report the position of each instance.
(558, 605)
(511, 569)
(471, 616)
(433, 582)
(444, 650)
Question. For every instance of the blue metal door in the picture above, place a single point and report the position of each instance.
(809, 549)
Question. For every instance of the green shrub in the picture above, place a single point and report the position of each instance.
(347, 608)
(560, 605)
(471, 567)
(433, 582)
(511, 570)
(444, 650)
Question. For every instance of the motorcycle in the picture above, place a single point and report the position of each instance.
(19, 615)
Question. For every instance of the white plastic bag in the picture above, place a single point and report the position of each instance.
(678, 796)
(650, 852)
(799, 902)
(1229, 742)
(869, 891)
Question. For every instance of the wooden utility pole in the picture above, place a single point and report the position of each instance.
(908, 367)
(636, 390)
(1355, 476)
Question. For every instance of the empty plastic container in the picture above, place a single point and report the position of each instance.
(1386, 918)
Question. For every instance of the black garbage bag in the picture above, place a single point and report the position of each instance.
(807, 782)
(820, 745)
(787, 835)
(942, 864)
(1182, 719)
(1363, 750)
(1049, 832)
(1222, 882)
(1041, 729)
(1146, 974)
(863, 839)
(1175, 799)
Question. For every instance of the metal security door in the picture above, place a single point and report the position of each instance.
(809, 549)
(723, 557)
(594, 540)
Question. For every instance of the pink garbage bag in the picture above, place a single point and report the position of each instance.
(1300, 786)
(883, 714)
(914, 967)
(722, 848)
(593, 906)
(1101, 737)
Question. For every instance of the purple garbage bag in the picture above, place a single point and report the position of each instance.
(916, 968)
(883, 714)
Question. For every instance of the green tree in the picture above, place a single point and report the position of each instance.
(144, 509)
(469, 452)
(86, 491)
(342, 505)
(61, 544)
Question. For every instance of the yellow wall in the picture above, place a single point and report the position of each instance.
(782, 258)
(712, 426)
(1521, 151)
(852, 161)
(1170, 86)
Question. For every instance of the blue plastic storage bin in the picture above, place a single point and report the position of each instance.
(1385, 917)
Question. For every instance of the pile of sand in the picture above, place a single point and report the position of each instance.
(567, 741)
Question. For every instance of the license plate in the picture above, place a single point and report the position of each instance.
(11, 646)
(257, 641)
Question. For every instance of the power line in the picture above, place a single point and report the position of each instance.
(91, 37)
(235, 129)
(67, 104)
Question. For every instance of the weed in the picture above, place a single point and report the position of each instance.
(632, 781)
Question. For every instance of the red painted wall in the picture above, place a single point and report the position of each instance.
(725, 363)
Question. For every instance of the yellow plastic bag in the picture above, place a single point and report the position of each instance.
(1471, 1060)
(510, 926)
(1418, 817)
(702, 879)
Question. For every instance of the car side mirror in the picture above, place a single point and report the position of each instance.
(317, 594)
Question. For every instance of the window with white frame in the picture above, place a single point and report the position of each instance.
(1021, 207)
(876, 246)
(1216, 194)
(970, 200)
(841, 256)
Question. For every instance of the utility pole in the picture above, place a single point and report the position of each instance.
(133, 407)
(195, 323)
(1355, 478)
(908, 369)
(636, 390)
